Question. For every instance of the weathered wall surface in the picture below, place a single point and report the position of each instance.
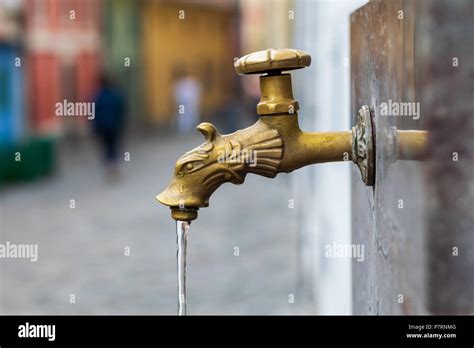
(445, 71)
(417, 212)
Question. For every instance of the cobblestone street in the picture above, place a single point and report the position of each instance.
(82, 250)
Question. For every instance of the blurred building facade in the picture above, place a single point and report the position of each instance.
(11, 76)
(62, 51)
(63, 46)
(50, 53)
(122, 58)
(200, 38)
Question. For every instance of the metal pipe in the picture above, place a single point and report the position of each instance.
(411, 144)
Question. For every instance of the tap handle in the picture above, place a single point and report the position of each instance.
(272, 61)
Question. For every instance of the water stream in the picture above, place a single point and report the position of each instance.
(182, 228)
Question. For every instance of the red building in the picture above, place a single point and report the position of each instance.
(62, 42)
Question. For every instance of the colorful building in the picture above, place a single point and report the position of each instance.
(11, 98)
(49, 52)
(122, 58)
(201, 38)
(11, 78)
(62, 41)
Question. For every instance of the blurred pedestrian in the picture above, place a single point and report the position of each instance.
(187, 95)
(109, 123)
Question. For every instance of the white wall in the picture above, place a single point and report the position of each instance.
(322, 192)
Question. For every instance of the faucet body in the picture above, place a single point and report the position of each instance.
(274, 144)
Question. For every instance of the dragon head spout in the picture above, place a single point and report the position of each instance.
(221, 158)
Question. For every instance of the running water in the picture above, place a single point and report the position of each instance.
(182, 228)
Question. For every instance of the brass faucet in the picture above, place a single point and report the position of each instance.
(275, 143)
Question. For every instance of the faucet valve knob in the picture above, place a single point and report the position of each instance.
(272, 61)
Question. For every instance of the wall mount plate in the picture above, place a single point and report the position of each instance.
(363, 145)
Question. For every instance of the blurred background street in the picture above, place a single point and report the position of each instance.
(97, 101)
